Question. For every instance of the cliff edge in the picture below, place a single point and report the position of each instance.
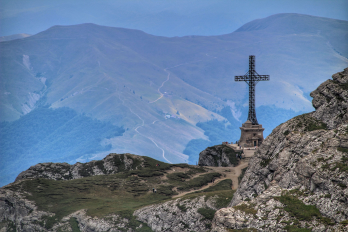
(298, 178)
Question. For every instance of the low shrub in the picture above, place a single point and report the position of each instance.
(198, 181)
(207, 213)
(246, 208)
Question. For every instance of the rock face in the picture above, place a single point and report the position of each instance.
(111, 164)
(19, 214)
(178, 215)
(304, 159)
(218, 156)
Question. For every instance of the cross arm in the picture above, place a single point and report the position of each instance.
(261, 77)
(241, 78)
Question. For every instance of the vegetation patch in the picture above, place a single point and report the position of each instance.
(342, 149)
(199, 181)
(309, 123)
(181, 207)
(265, 162)
(240, 177)
(343, 165)
(231, 154)
(286, 132)
(299, 210)
(48, 222)
(322, 159)
(207, 213)
(178, 176)
(9, 225)
(249, 209)
(315, 126)
(243, 230)
(344, 86)
(74, 224)
(133, 223)
(294, 228)
(222, 185)
(166, 190)
(345, 222)
(222, 197)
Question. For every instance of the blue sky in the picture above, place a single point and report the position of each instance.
(158, 17)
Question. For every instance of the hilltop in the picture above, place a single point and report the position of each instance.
(122, 192)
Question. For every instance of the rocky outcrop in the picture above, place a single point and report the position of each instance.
(305, 159)
(15, 210)
(218, 156)
(111, 164)
(178, 215)
(20, 214)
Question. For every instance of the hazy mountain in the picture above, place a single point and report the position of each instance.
(159, 88)
(12, 37)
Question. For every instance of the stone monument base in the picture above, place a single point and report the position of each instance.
(251, 135)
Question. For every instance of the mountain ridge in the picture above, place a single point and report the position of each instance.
(161, 89)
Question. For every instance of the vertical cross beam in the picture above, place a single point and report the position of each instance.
(252, 78)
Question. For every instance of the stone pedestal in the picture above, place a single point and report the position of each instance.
(251, 135)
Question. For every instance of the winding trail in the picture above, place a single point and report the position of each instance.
(143, 124)
(161, 96)
(161, 87)
(227, 173)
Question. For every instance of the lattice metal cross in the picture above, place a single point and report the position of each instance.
(252, 78)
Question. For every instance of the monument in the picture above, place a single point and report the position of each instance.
(251, 130)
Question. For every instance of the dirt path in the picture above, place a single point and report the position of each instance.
(227, 173)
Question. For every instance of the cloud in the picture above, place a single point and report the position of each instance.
(235, 112)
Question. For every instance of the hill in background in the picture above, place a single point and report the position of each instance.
(172, 96)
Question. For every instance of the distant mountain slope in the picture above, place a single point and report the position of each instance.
(12, 37)
(159, 88)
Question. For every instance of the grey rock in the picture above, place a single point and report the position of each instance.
(169, 217)
(111, 164)
(218, 156)
(304, 154)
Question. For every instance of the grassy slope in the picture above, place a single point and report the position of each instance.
(120, 193)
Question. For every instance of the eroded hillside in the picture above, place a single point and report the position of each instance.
(297, 180)
(122, 192)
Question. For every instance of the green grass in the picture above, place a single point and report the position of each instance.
(297, 208)
(309, 123)
(207, 213)
(243, 230)
(182, 207)
(120, 193)
(240, 177)
(344, 222)
(11, 227)
(342, 149)
(198, 181)
(74, 224)
(343, 165)
(265, 162)
(100, 195)
(222, 185)
(301, 211)
(316, 126)
(178, 176)
(293, 228)
(249, 209)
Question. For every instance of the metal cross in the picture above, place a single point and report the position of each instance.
(252, 78)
